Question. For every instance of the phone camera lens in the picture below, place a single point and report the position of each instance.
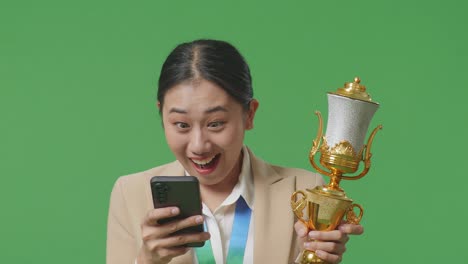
(161, 187)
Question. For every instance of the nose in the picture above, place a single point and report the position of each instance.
(199, 143)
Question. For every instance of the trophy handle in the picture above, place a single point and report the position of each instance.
(351, 217)
(298, 206)
(316, 141)
(315, 146)
(367, 157)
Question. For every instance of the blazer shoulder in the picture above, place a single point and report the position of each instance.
(287, 170)
(134, 190)
(129, 203)
(304, 178)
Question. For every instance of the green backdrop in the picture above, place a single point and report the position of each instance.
(77, 92)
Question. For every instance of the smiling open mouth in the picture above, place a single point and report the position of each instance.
(206, 164)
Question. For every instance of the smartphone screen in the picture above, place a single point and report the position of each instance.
(180, 191)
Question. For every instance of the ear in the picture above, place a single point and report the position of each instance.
(249, 122)
(158, 104)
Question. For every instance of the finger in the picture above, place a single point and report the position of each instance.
(179, 240)
(335, 235)
(328, 257)
(153, 216)
(330, 247)
(301, 229)
(351, 229)
(174, 226)
(160, 231)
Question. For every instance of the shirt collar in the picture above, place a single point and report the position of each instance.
(244, 186)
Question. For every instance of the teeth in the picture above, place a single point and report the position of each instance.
(204, 162)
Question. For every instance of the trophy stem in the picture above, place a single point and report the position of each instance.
(335, 179)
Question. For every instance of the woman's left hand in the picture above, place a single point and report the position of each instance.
(328, 245)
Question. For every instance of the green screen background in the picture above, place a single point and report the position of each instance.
(77, 92)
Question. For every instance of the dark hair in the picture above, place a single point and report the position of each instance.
(212, 60)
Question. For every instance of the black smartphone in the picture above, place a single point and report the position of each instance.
(180, 191)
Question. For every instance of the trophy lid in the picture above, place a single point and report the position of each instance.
(355, 90)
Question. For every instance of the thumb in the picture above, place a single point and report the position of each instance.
(301, 229)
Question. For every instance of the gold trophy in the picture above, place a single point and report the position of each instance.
(350, 112)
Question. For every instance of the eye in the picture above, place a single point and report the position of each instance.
(216, 124)
(181, 125)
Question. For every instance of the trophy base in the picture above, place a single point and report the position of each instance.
(308, 256)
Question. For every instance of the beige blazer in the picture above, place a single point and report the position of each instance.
(274, 238)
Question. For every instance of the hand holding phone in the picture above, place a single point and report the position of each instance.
(176, 222)
(182, 192)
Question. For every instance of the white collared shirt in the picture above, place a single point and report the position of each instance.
(220, 222)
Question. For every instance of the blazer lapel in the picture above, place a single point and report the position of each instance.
(273, 220)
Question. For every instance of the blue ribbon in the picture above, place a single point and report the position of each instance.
(238, 241)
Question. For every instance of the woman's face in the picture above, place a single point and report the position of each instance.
(204, 128)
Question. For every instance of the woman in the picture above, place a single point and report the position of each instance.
(206, 102)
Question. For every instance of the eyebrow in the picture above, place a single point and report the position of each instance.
(207, 111)
(177, 110)
(215, 109)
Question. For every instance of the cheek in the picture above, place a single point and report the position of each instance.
(232, 138)
(174, 141)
